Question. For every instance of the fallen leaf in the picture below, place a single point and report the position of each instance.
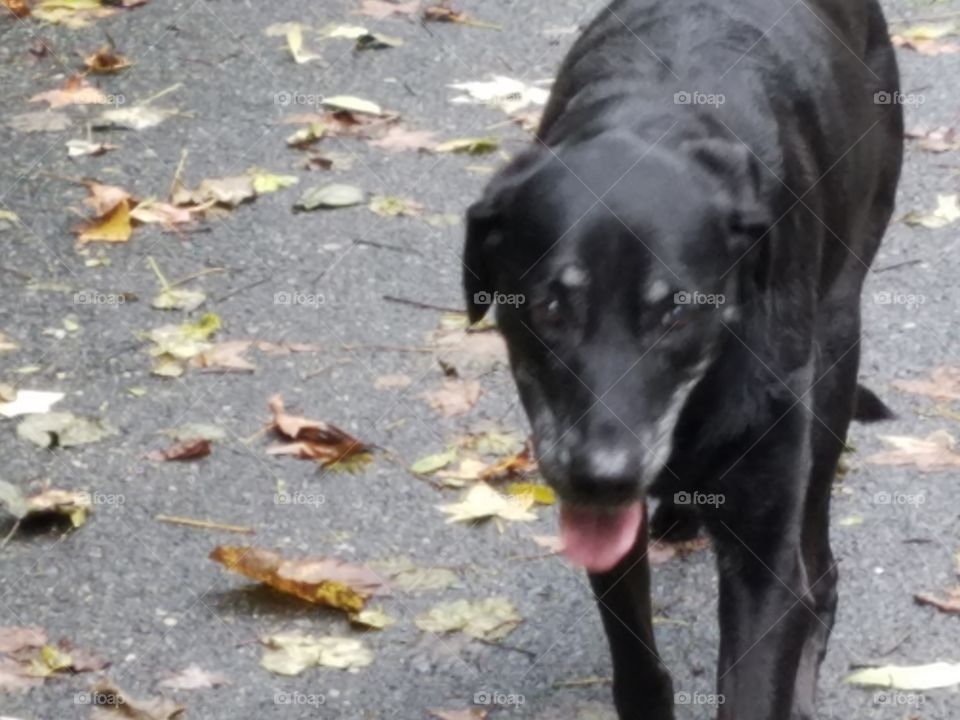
(152, 212)
(541, 494)
(267, 182)
(946, 213)
(391, 206)
(331, 196)
(471, 714)
(454, 397)
(294, 35)
(483, 502)
(193, 677)
(319, 580)
(292, 653)
(518, 466)
(114, 704)
(934, 452)
(944, 384)
(372, 619)
(502, 92)
(61, 429)
(402, 575)
(229, 191)
(392, 382)
(175, 344)
(75, 91)
(937, 140)
(915, 677)
(377, 41)
(431, 463)
(45, 121)
(490, 620)
(225, 357)
(113, 227)
(30, 402)
(926, 39)
(136, 117)
(13, 639)
(314, 439)
(352, 104)
(19, 8)
(106, 61)
(445, 12)
(381, 9)
(186, 450)
(192, 431)
(469, 146)
(88, 148)
(171, 298)
(949, 605)
(398, 138)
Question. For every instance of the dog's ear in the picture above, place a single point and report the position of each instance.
(484, 231)
(739, 172)
(478, 280)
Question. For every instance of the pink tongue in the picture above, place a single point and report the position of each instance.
(598, 539)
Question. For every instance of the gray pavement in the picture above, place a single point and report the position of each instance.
(144, 595)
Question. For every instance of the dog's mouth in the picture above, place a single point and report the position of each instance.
(597, 538)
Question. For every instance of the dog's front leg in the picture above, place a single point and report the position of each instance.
(766, 610)
(642, 687)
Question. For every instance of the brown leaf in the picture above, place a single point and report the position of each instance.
(314, 439)
(13, 639)
(660, 552)
(950, 605)
(193, 677)
(229, 191)
(15, 676)
(105, 60)
(114, 704)
(381, 9)
(399, 138)
(19, 8)
(934, 452)
(454, 397)
(513, 468)
(925, 46)
(471, 714)
(320, 580)
(937, 140)
(225, 357)
(104, 198)
(75, 91)
(114, 227)
(186, 450)
(944, 384)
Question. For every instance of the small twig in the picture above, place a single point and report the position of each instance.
(384, 246)
(421, 305)
(513, 648)
(204, 524)
(9, 535)
(384, 348)
(326, 368)
(194, 276)
(18, 273)
(157, 96)
(178, 172)
(582, 682)
(250, 286)
(895, 266)
(925, 18)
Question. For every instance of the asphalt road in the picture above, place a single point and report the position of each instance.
(144, 595)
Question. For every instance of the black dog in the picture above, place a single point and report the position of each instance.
(685, 245)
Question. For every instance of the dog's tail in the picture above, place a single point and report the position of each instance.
(870, 408)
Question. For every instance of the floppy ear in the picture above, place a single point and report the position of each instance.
(478, 280)
(738, 169)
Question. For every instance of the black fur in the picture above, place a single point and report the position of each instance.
(776, 200)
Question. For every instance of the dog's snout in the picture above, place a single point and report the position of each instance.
(604, 474)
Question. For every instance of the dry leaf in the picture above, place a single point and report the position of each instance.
(320, 580)
(917, 677)
(392, 382)
(491, 619)
(946, 213)
(399, 138)
(135, 117)
(469, 146)
(115, 704)
(314, 439)
(88, 148)
(383, 8)
(292, 653)
(471, 714)
(482, 502)
(114, 227)
(225, 357)
(193, 677)
(949, 605)
(185, 450)
(45, 121)
(105, 61)
(934, 452)
(519, 466)
(229, 191)
(937, 140)
(51, 430)
(445, 12)
(75, 91)
(391, 206)
(372, 619)
(944, 384)
(404, 576)
(30, 402)
(454, 397)
(19, 8)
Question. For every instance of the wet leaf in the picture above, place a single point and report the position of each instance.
(193, 677)
(30, 402)
(320, 580)
(946, 213)
(491, 619)
(292, 653)
(483, 502)
(63, 430)
(934, 452)
(186, 450)
(331, 196)
(314, 439)
(915, 677)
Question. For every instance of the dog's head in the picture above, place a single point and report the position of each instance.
(614, 268)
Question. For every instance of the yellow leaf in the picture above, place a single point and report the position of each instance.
(113, 227)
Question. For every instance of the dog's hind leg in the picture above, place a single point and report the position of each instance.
(642, 687)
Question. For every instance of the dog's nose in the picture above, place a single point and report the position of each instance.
(604, 475)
